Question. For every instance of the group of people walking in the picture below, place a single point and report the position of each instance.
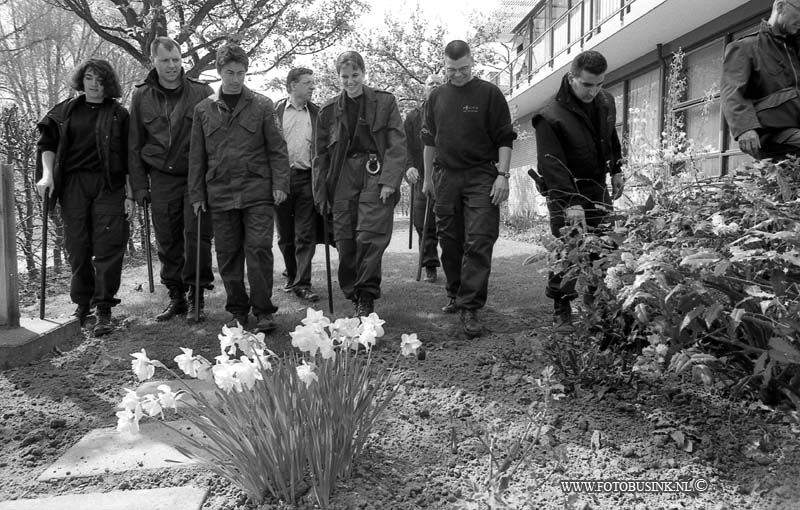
(230, 164)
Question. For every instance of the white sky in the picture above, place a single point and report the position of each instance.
(453, 13)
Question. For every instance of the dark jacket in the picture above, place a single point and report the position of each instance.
(160, 141)
(237, 158)
(111, 136)
(760, 81)
(414, 147)
(332, 142)
(570, 149)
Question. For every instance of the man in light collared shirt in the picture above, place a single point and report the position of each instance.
(295, 219)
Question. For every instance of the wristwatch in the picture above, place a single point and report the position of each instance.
(504, 174)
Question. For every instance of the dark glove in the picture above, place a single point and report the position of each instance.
(141, 196)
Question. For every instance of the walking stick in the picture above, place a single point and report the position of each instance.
(147, 247)
(411, 218)
(197, 290)
(327, 257)
(43, 284)
(424, 233)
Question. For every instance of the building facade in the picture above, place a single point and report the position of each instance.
(639, 39)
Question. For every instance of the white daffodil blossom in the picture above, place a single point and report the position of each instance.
(325, 343)
(203, 368)
(151, 405)
(186, 362)
(345, 328)
(305, 372)
(305, 338)
(247, 372)
(225, 374)
(366, 338)
(130, 401)
(127, 422)
(168, 398)
(230, 337)
(263, 356)
(375, 322)
(409, 344)
(315, 317)
(142, 366)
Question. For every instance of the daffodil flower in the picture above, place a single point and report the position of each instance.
(315, 317)
(168, 398)
(372, 320)
(305, 338)
(127, 422)
(142, 366)
(186, 362)
(151, 405)
(409, 344)
(247, 372)
(305, 373)
(225, 374)
(130, 401)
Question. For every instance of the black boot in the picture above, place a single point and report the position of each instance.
(177, 305)
(193, 314)
(365, 305)
(103, 326)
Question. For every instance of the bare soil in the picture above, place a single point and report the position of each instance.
(612, 424)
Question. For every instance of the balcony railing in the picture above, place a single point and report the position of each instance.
(575, 27)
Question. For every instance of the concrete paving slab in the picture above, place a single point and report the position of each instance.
(177, 498)
(35, 338)
(108, 451)
(207, 389)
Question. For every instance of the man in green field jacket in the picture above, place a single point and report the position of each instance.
(239, 170)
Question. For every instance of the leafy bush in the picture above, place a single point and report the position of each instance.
(703, 277)
(279, 423)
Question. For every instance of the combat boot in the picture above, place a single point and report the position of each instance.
(193, 314)
(103, 326)
(177, 305)
(366, 306)
(470, 323)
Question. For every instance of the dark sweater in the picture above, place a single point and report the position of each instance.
(467, 124)
(82, 153)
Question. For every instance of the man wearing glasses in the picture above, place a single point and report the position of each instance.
(760, 85)
(468, 136)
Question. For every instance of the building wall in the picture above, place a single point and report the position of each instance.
(639, 88)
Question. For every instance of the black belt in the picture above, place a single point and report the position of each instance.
(299, 169)
(359, 154)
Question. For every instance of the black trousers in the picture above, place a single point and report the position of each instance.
(95, 234)
(295, 222)
(597, 205)
(175, 226)
(244, 237)
(362, 228)
(429, 241)
(468, 225)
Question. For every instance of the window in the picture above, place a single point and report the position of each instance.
(644, 100)
(701, 105)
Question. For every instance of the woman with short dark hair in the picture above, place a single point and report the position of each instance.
(82, 163)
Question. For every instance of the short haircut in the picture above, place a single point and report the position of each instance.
(589, 60)
(456, 49)
(352, 58)
(102, 69)
(294, 76)
(167, 43)
(230, 52)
